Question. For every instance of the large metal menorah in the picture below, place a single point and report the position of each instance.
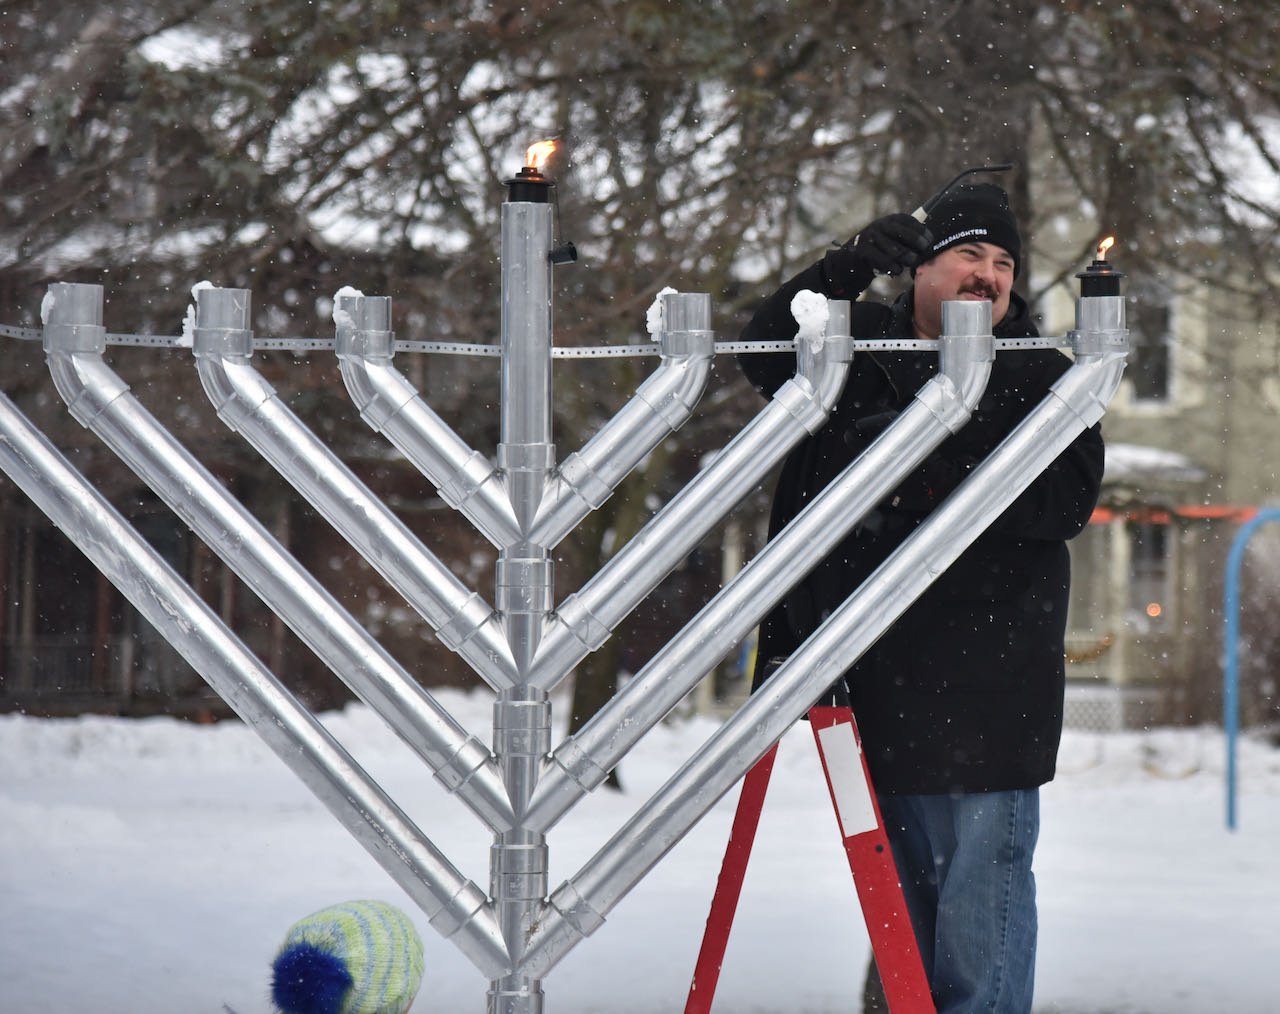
(525, 644)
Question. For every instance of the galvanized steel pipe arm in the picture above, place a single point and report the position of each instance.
(246, 402)
(584, 620)
(101, 401)
(661, 405)
(580, 905)
(453, 904)
(582, 761)
(465, 478)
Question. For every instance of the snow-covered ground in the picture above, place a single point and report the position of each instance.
(153, 866)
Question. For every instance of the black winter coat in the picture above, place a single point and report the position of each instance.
(964, 692)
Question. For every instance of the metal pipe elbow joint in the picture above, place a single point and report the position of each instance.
(1100, 344)
(222, 343)
(466, 479)
(663, 402)
(688, 344)
(74, 340)
(567, 918)
(468, 920)
(966, 351)
(821, 370)
(661, 405)
(365, 346)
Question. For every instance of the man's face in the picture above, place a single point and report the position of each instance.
(966, 271)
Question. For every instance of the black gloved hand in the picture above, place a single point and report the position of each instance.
(887, 246)
(891, 243)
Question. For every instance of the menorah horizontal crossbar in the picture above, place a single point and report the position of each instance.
(525, 642)
(299, 345)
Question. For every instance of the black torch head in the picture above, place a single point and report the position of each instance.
(1100, 278)
(530, 184)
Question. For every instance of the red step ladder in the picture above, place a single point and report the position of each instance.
(884, 909)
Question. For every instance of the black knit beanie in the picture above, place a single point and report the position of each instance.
(975, 213)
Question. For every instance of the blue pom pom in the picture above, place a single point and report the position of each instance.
(308, 980)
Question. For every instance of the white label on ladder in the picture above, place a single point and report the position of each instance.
(843, 759)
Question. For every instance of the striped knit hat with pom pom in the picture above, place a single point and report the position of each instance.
(360, 957)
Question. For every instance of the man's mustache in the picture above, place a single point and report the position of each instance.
(980, 289)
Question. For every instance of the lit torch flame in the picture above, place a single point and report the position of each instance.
(539, 154)
(1105, 245)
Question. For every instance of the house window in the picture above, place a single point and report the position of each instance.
(1150, 549)
(1150, 344)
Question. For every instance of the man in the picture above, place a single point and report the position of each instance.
(959, 704)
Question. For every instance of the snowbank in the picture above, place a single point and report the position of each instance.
(154, 866)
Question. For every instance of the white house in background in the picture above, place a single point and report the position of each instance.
(1193, 450)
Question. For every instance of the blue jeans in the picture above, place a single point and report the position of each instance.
(965, 865)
